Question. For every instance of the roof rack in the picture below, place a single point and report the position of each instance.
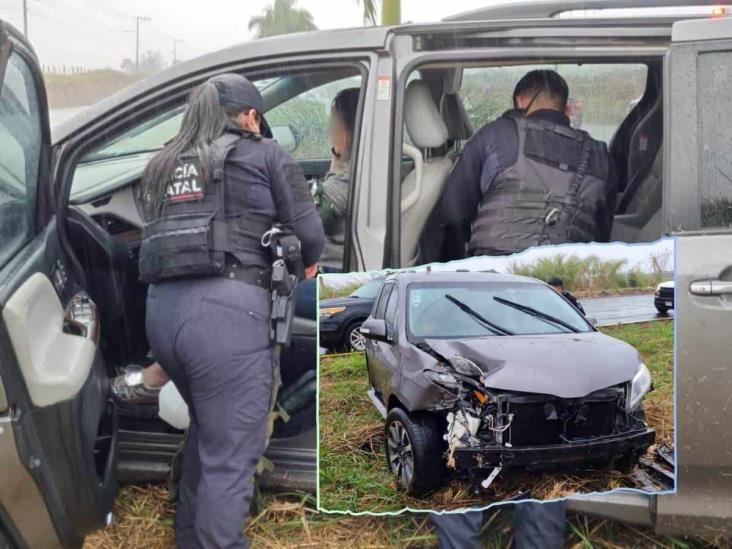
(543, 9)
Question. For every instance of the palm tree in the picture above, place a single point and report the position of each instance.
(391, 11)
(282, 17)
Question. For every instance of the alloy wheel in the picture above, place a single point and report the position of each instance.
(356, 339)
(401, 457)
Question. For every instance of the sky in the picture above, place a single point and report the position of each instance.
(636, 255)
(100, 33)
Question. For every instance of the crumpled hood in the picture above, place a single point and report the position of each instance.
(564, 365)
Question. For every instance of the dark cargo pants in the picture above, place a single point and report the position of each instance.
(536, 526)
(211, 336)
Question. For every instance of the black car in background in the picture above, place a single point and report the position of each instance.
(341, 317)
(664, 297)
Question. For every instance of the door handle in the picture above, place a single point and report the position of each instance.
(710, 287)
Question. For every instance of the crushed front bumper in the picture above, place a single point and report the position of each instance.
(529, 457)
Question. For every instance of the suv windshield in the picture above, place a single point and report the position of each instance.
(433, 313)
(369, 290)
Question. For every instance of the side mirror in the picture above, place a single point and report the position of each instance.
(285, 137)
(374, 328)
(592, 320)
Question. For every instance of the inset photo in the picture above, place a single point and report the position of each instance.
(542, 375)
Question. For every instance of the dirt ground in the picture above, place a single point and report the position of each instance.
(353, 471)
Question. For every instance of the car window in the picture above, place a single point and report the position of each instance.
(383, 298)
(431, 314)
(390, 313)
(20, 146)
(369, 290)
(715, 138)
(307, 116)
(601, 95)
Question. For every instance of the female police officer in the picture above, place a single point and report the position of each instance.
(209, 196)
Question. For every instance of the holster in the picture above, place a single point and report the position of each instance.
(287, 268)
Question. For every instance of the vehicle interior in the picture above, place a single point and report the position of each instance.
(104, 227)
(619, 102)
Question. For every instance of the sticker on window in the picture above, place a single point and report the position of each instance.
(384, 88)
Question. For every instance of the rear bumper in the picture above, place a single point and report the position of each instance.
(553, 455)
(664, 302)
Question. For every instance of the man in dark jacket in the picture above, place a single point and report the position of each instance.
(528, 178)
(558, 285)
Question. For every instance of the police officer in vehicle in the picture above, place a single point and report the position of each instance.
(209, 197)
(528, 178)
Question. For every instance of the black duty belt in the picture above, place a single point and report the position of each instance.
(251, 275)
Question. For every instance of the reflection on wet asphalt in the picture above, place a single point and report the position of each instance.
(622, 309)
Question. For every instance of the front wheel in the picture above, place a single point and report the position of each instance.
(354, 341)
(414, 451)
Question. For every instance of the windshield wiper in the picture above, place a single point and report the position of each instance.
(495, 328)
(537, 314)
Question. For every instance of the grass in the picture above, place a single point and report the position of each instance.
(353, 472)
(144, 519)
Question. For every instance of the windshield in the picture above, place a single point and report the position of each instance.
(432, 311)
(369, 290)
(151, 135)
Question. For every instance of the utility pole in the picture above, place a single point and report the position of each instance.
(137, 40)
(25, 18)
(176, 41)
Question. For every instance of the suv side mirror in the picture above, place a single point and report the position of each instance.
(375, 328)
(285, 137)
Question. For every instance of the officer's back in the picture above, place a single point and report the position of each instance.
(528, 178)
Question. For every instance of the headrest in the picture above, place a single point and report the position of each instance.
(425, 125)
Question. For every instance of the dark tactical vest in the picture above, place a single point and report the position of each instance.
(191, 235)
(552, 194)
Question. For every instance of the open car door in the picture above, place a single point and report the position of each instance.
(57, 426)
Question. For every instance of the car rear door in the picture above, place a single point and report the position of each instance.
(698, 211)
(57, 430)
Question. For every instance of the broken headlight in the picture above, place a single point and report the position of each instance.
(442, 379)
(640, 385)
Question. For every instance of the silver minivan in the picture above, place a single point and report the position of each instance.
(72, 308)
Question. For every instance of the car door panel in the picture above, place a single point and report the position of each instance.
(54, 364)
(698, 133)
(65, 436)
(57, 429)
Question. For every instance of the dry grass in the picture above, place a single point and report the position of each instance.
(144, 517)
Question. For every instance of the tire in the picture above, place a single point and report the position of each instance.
(414, 451)
(662, 309)
(353, 340)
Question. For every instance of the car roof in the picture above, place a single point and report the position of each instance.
(540, 9)
(459, 276)
(352, 39)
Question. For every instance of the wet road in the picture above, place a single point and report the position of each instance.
(622, 309)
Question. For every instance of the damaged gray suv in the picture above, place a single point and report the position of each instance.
(474, 371)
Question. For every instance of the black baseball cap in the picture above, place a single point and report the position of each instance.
(237, 90)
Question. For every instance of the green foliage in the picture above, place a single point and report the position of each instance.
(282, 17)
(327, 292)
(606, 92)
(308, 120)
(593, 273)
